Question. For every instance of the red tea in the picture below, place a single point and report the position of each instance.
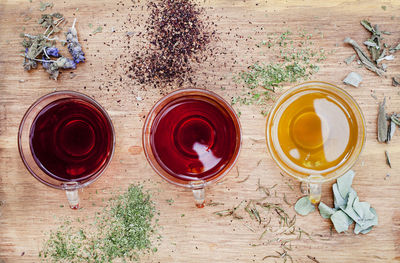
(71, 139)
(193, 138)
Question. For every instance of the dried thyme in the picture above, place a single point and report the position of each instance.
(124, 230)
(262, 79)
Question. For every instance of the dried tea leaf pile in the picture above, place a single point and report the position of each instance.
(123, 230)
(177, 37)
(348, 208)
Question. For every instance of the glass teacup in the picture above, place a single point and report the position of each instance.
(192, 138)
(66, 141)
(315, 133)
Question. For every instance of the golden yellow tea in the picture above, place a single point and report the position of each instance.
(316, 131)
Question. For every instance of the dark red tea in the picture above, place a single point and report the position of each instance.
(71, 139)
(193, 138)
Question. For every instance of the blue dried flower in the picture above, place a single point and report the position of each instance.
(52, 51)
(74, 48)
(46, 65)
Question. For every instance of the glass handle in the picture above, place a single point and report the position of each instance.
(71, 190)
(198, 192)
(314, 191)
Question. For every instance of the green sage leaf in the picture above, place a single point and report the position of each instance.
(326, 211)
(344, 183)
(304, 206)
(341, 221)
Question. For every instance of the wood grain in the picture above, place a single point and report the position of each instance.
(29, 209)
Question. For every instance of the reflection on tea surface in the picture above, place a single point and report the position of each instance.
(316, 132)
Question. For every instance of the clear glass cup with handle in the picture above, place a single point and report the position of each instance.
(315, 133)
(66, 141)
(192, 138)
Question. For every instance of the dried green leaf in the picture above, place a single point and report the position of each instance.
(388, 159)
(98, 30)
(367, 225)
(341, 221)
(45, 5)
(350, 59)
(304, 206)
(396, 81)
(339, 201)
(382, 123)
(344, 183)
(395, 49)
(354, 79)
(367, 25)
(325, 211)
(364, 58)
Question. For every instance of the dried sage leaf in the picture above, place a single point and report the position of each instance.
(344, 183)
(367, 225)
(350, 59)
(382, 123)
(368, 63)
(304, 206)
(338, 200)
(354, 79)
(341, 221)
(396, 48)
(388, 159)
(396, 81)
(367, 25)
(363, 209)
(326, 211)
(388, 58)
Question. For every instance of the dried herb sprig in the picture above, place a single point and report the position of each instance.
(74, 48)
(268, 218)
(40, 48)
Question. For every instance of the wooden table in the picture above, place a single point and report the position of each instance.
(30, 209)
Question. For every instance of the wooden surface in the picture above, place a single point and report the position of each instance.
(30, 209)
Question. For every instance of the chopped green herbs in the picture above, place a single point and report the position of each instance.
(298, 62)
(124, 230)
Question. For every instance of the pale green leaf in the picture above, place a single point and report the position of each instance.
(304, 206)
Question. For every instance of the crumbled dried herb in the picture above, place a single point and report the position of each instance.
(177, 37)
(299, 62)
(124, 230)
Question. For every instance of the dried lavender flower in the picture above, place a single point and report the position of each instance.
(52, 51)
(75, 49)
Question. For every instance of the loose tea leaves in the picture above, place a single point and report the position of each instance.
(388, 159)
(178, 36)
(348, 208)
(350, 59)
(396, 81)
(354, 79)
(304, 206)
